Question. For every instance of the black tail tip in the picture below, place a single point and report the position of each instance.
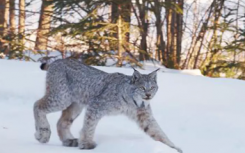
(43, 66)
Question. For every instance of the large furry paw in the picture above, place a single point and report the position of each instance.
(70, 143)
(87, 145)
(43, 135)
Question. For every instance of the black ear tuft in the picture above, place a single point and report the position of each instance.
(153, 75)
(136, 76)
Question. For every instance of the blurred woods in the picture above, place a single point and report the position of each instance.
(182, 34)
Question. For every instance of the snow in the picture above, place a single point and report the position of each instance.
(199, 114)
(150, 65)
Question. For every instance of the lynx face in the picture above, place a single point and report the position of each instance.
(145, 87)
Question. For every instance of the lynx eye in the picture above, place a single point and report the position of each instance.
(143, 88)
(152, 88)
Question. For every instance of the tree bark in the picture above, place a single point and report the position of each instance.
(217, 13)
(179, 31)
(5, 18)
(2, 14)
(169, 47)
(12, 21)
(120, 38)
(125, 12)
(160, 44)
(114, 12)
(21, 27)
(143, 25)
(174, 33)
(120, 13)
(126, 16)
(173, 49)
(2, 25)
(6, 15)
(44, 25)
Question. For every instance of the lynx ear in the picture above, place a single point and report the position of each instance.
(136, 76)
(153, 75)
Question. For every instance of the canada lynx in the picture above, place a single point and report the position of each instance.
(71, 86)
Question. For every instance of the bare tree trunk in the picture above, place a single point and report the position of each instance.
(169, 47)
(179, 31)
(114, 12)
(217, 13)
(114, 19)
(44, 25)
(174, 32)
(6, 15)
(12, 24)
(126, 16)
(2, 14)
(4, 26)
(12, 21)
(173, 50)
(120, 38)
(120, 12)
(237, 31)
(160, 44)
(143, 55)
(21, 27)
(143, 42)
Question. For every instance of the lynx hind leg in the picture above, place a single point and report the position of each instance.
(43, 107)
(41, 123)
(91, 120)
(65, 122)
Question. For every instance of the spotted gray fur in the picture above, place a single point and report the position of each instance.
(71, 86)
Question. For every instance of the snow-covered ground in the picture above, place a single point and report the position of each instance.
(199, 114)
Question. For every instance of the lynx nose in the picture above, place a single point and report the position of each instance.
(148, 95)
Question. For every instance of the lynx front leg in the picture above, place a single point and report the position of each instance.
(149, 125)
(87, 133)
(65, 122)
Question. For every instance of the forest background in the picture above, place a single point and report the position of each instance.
(180, 34)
